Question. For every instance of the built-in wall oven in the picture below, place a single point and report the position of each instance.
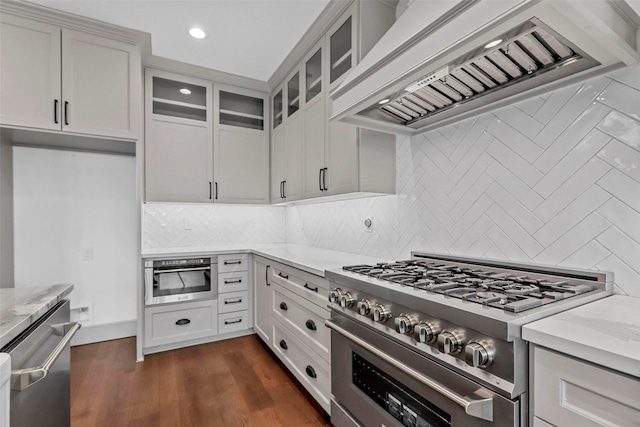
(185, 279)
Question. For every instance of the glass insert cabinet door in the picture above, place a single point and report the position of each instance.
(241, 111)
(340, 51)
(313, 71)
(177, 99)
(293, 95)
(277, 109)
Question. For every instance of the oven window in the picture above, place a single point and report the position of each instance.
(184, 282)
(402, 403)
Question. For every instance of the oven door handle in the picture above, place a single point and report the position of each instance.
(181, 270)
(475, 405)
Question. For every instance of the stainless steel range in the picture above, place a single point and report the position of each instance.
(436, 340)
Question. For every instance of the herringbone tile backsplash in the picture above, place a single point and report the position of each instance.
(552, 180)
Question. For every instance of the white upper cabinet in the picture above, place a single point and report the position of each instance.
(241, 146)
(342, 58)
(64, 80)
(278, 173)
(178, 140)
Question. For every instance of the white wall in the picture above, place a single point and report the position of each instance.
(67, 201)
(6, 214)
(551, 180)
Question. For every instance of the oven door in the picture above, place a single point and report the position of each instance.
(379, 382)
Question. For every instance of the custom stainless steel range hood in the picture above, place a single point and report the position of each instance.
(443, 61)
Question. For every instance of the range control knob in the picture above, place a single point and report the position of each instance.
(346, 300)
(335, 294)
(426, 332)
(364, 307)
(450, 342)
(478, 355)
(381, 313)
(405, 323)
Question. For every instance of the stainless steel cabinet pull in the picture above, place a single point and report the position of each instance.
(183, 322)
(311, 372)
(232, 281)
(179, 270)
(234, 301)
(283, 306)
(284, 276)
(310, 324)
(475, 405)
(266, 275)
(66, 113)
(24, 378)
(55, 111)
(233, 262)
(283, 344)
(306, 285)
(231, 322)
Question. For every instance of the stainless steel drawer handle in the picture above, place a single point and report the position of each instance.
(233, 262)
(231, 322)
(226, 282)
(476, 405)
(24, 378)
(183, 322)
(180, 270)
(233, 301)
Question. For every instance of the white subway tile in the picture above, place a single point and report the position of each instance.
(469, 198)
(474, 172)
(515, 140)
(528, 125)
(472, 156)
(504, 247)
(556, 100)
(629, 76)
(622, 246)
(622, 158)
(511, 205)
(622, 98)
(623, 217)
(575, 212)
(624, 277)
(587, 256)
(512, 229)
(531, 106)
(472, 234)
(514, 185)
(513, 162)
(470, 217)
(622, 128)
(622, 187)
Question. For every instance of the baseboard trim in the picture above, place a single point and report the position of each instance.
(105, 332)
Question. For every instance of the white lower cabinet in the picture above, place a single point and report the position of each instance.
(311, 370)
(290, 312)
(233, 301)
(170, 324)
(570, 392)
(233, 322)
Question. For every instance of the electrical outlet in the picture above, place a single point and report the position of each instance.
(87, 254)
(187, 224)
(368, 224)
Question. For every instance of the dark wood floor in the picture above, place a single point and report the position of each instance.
(235, 382)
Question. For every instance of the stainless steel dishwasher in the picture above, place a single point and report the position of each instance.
(40, 362)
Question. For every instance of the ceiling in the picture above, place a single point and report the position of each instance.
(250, 38)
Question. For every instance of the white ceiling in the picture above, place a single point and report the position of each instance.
(249, 38)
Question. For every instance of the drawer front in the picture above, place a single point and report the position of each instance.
(233, 322)
(310, 369)
(308, 286)
(233, 282)
(304, 319)
(233, 301)
(231, 263)
(570, 392)
(180, 322)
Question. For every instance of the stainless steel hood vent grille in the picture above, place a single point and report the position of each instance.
(527, 52)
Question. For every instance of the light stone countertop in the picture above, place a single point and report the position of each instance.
(605, 332)
(306, 258)
(21, 307)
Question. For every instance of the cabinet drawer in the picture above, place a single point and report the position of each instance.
(233, 282)
(309, 368)
(233, 301)
(308, 286)
(304, 319)
(233, 322)
(231, 263)
(180, 322)
(570, 392)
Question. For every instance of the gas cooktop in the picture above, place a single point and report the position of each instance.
(510, 292)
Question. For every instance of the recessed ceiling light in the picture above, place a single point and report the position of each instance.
(384, 101)
(493, 43)
(185, 91)
(197, 33)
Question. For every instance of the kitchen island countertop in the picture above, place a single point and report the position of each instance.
(21, 307)
(605, 332)
(306, 258)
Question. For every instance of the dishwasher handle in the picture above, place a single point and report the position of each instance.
(21, 379)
